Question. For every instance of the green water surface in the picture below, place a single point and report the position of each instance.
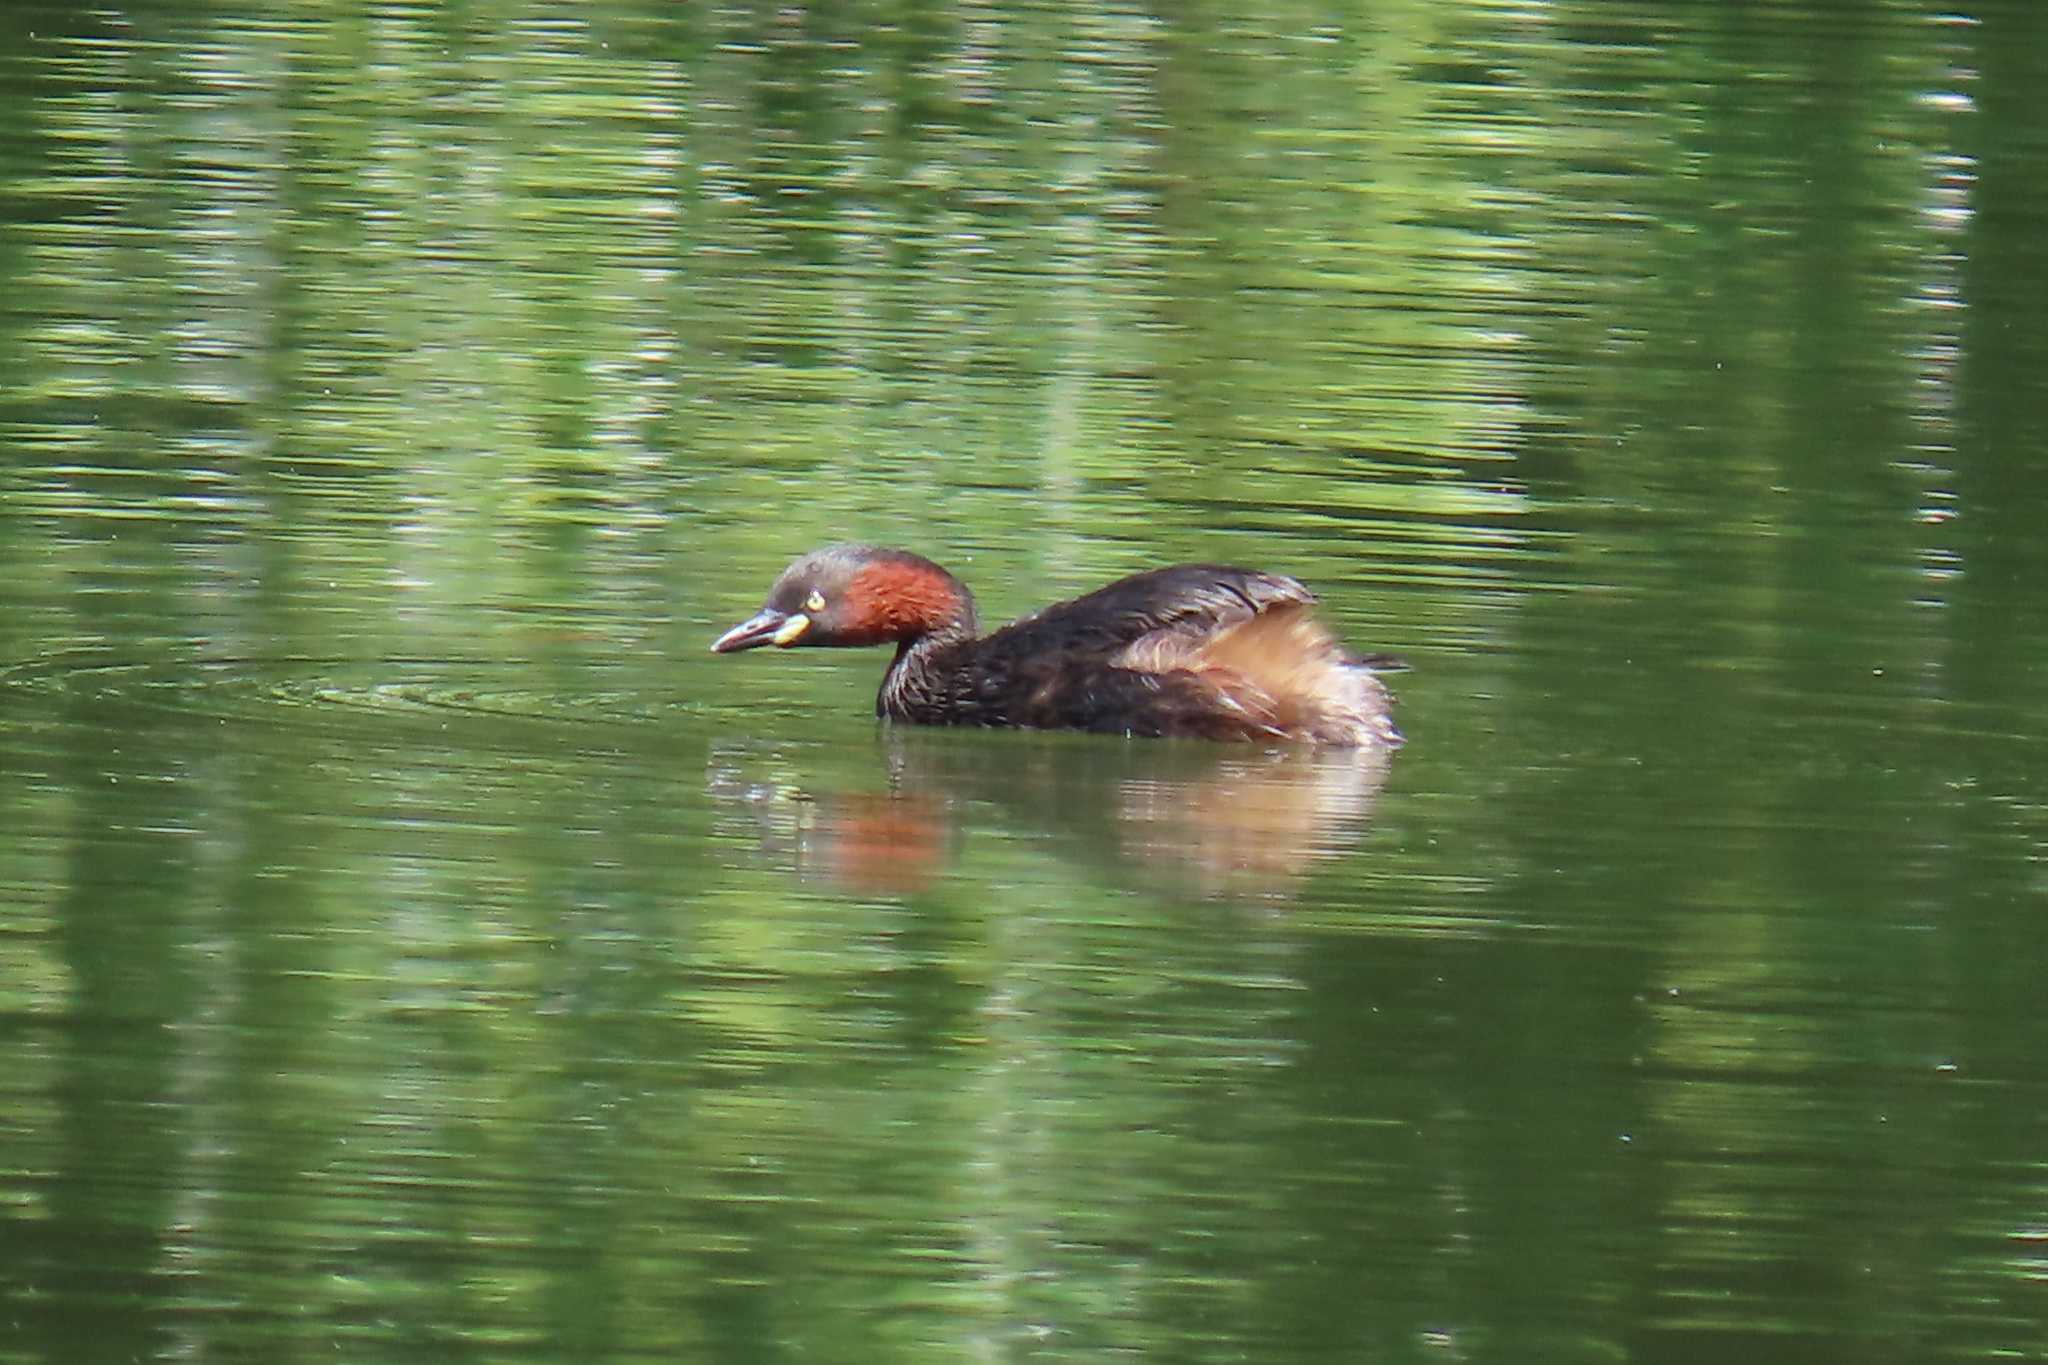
(415, 946)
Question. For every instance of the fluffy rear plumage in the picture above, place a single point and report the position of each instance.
(1282, 670)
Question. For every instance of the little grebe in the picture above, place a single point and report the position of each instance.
(1196, 650)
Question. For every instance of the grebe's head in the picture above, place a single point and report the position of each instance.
(855, 595)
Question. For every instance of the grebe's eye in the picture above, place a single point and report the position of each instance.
(815, 602)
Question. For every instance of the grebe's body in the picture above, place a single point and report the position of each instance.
(1197, 650)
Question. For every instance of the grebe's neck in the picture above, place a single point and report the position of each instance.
(897, 596)
(916, 680)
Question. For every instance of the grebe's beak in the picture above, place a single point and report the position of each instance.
(765, 627)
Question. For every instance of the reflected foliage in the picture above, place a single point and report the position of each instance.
(414, 945)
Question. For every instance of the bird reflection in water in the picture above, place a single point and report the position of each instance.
(1180, 818)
